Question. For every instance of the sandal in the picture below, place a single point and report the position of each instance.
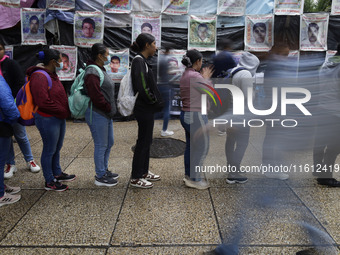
(141, 183)
(151, 177)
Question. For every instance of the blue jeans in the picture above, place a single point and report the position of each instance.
(197, 147)
(165, 91)
(52, 131)
(23, 142)
(102, 134)
(5, 144)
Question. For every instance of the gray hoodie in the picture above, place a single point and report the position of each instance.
(244, 78)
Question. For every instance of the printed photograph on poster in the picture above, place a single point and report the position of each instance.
(147, 24)
(9, 51)
(119, 64)
(175, 7)
(313, 31)
(10, 3)
(288, 7)
(69, 58)
(32, 26)
(259, 34)
(202, 33)
(60, 4)
(174, 63)
(231, 7)
(117, 6)
(88, 28)
(335, 10)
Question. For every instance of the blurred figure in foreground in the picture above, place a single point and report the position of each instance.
(164, 88)
(327, 141)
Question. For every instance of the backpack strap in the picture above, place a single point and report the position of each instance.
(236, 71)
(101, 74)
(48, 77)
(146, 65)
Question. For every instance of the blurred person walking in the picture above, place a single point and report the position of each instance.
(15, 78)
(148, 102)
(326, 141)
(50, 117)
(192, 120)
(100, 112)
(9, 113)
(165, 89)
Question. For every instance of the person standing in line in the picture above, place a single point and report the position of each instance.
(99, 116)
(9, 113)
(238, 137)
(50, 118)
(164, 87)
(149, 101)
(15, 78)
(222, 62)
(192, 120)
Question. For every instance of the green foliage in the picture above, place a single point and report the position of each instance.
(317, 6)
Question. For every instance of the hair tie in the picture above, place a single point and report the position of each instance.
(41, 55)
(188, 60)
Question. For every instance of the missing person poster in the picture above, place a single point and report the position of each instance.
(69, 58)
(117, 6)
(259, 34)
(10, 3)
(335, 7)
(147, 24)
(9, 51)
(202, 33)
(174, 63)
(32, 26)
(288, 7)
(231, 7)
(175, 7)
(62, 5)
(119, 64)
(88, 28)
(313, 31)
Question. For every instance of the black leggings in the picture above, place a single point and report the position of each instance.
(141, 156)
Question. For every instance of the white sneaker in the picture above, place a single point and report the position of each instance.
(279, 176)
(12, 190)
(221, 133)
(141, 183)
(167, 133)
(9, 171)
(202, 184)
(33, 167)
(9, 199)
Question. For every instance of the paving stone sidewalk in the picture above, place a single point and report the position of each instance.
(267, 216)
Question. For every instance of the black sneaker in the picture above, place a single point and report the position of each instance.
(331, 182)
(236, 178)
(112, 175)
(56, 186)
(105, 181)
(65, 177)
